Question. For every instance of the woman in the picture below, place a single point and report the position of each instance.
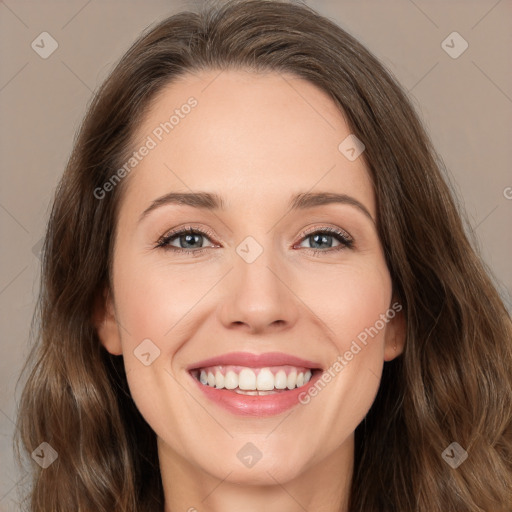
(370, 371)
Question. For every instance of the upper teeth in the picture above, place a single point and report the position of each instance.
(262, 379)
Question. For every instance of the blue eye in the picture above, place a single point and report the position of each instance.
(324, 237)
(187, 238)
(191, 241)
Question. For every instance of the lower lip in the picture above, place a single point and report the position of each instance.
(250, 405)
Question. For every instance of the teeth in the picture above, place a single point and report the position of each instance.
(219, 379)
(231, 380)
(247, 379)
(250, 381)
(280, 380)
(265, 380)
(292, 379)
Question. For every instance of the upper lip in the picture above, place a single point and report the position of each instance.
(255, 360)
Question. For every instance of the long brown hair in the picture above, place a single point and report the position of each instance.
(453, 382)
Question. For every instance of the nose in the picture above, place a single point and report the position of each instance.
(259, 297)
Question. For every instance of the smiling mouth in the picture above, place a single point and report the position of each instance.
(254, 381)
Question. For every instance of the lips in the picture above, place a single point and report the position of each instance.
(255, 361)
(248, 371)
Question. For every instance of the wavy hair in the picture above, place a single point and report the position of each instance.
(453, 381)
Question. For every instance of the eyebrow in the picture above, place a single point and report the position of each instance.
(211, 201)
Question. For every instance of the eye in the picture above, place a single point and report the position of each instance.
(190, 240)
(185, 240)
(322, 240)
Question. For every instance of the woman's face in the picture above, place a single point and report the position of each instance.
(258, 276)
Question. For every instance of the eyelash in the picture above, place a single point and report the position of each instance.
(346, 242)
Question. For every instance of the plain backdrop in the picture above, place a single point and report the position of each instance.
(464, 102)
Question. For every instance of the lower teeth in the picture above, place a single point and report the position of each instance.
(254, 393)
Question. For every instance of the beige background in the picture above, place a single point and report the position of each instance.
(466, 104)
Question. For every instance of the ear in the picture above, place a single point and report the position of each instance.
(104, 320)
(394, 339)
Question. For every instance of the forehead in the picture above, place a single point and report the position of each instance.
(248, 136)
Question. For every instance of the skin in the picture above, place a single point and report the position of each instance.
(255, 139)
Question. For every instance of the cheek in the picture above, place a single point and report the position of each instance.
(155, 300)
(349, 301)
